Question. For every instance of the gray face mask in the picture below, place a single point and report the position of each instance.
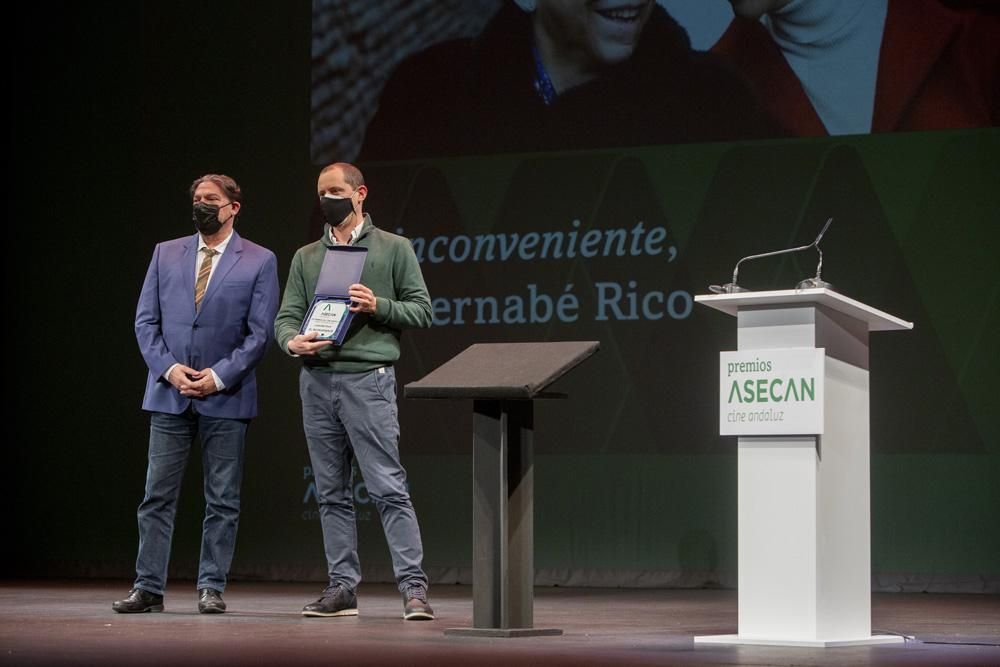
(335, 209)
(206, 217)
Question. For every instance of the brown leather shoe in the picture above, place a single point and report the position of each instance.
(416, 607)
(336, 601)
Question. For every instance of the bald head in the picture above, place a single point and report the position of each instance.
(352, 175)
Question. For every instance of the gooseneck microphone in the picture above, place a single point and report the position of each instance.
(808, 283)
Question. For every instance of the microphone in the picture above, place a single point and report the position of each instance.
(817, 281)
(733, 287)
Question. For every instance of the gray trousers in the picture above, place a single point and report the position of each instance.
(349, 416)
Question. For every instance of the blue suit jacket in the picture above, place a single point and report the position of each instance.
(229, 334)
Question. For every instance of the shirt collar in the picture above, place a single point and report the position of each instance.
(355, 233)
(221, 248)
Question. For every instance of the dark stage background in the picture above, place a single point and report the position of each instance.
(115, 109)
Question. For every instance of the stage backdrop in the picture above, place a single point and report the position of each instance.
(633, 485)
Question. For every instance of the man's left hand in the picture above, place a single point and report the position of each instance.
(362, 299)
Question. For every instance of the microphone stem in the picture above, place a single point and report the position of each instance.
(736, 269)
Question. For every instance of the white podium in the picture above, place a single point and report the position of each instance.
(804, 499)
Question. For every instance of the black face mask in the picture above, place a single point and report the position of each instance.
(335, 210)
(206, 217)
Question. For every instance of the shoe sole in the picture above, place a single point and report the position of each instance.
(211, 610)
(322, 614)
(155, 607)
(418, 616)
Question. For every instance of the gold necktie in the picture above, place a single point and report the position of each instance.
(203, 272)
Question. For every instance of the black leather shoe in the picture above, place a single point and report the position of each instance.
(138, 601)
(210, 601)
(336, 601)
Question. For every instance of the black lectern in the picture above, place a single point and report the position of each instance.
(502, 379)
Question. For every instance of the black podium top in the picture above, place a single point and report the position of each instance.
(501, 370)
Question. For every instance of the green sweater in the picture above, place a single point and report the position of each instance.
(391, 271)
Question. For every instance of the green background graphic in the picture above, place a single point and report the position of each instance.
(633, 485)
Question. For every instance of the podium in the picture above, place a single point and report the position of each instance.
(803, 465)
(503, 380)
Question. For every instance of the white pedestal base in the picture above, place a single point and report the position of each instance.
(819, 643)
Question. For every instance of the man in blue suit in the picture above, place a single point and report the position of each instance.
(204, 320)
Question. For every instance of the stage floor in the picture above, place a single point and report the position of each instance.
(71, 622)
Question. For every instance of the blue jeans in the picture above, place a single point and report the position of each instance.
(170, 440)
(350, 416)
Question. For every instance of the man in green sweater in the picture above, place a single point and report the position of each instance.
(348, 392)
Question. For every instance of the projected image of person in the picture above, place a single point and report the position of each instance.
(348, 393)
(858, 66)
(562, 74)
(203, 323)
